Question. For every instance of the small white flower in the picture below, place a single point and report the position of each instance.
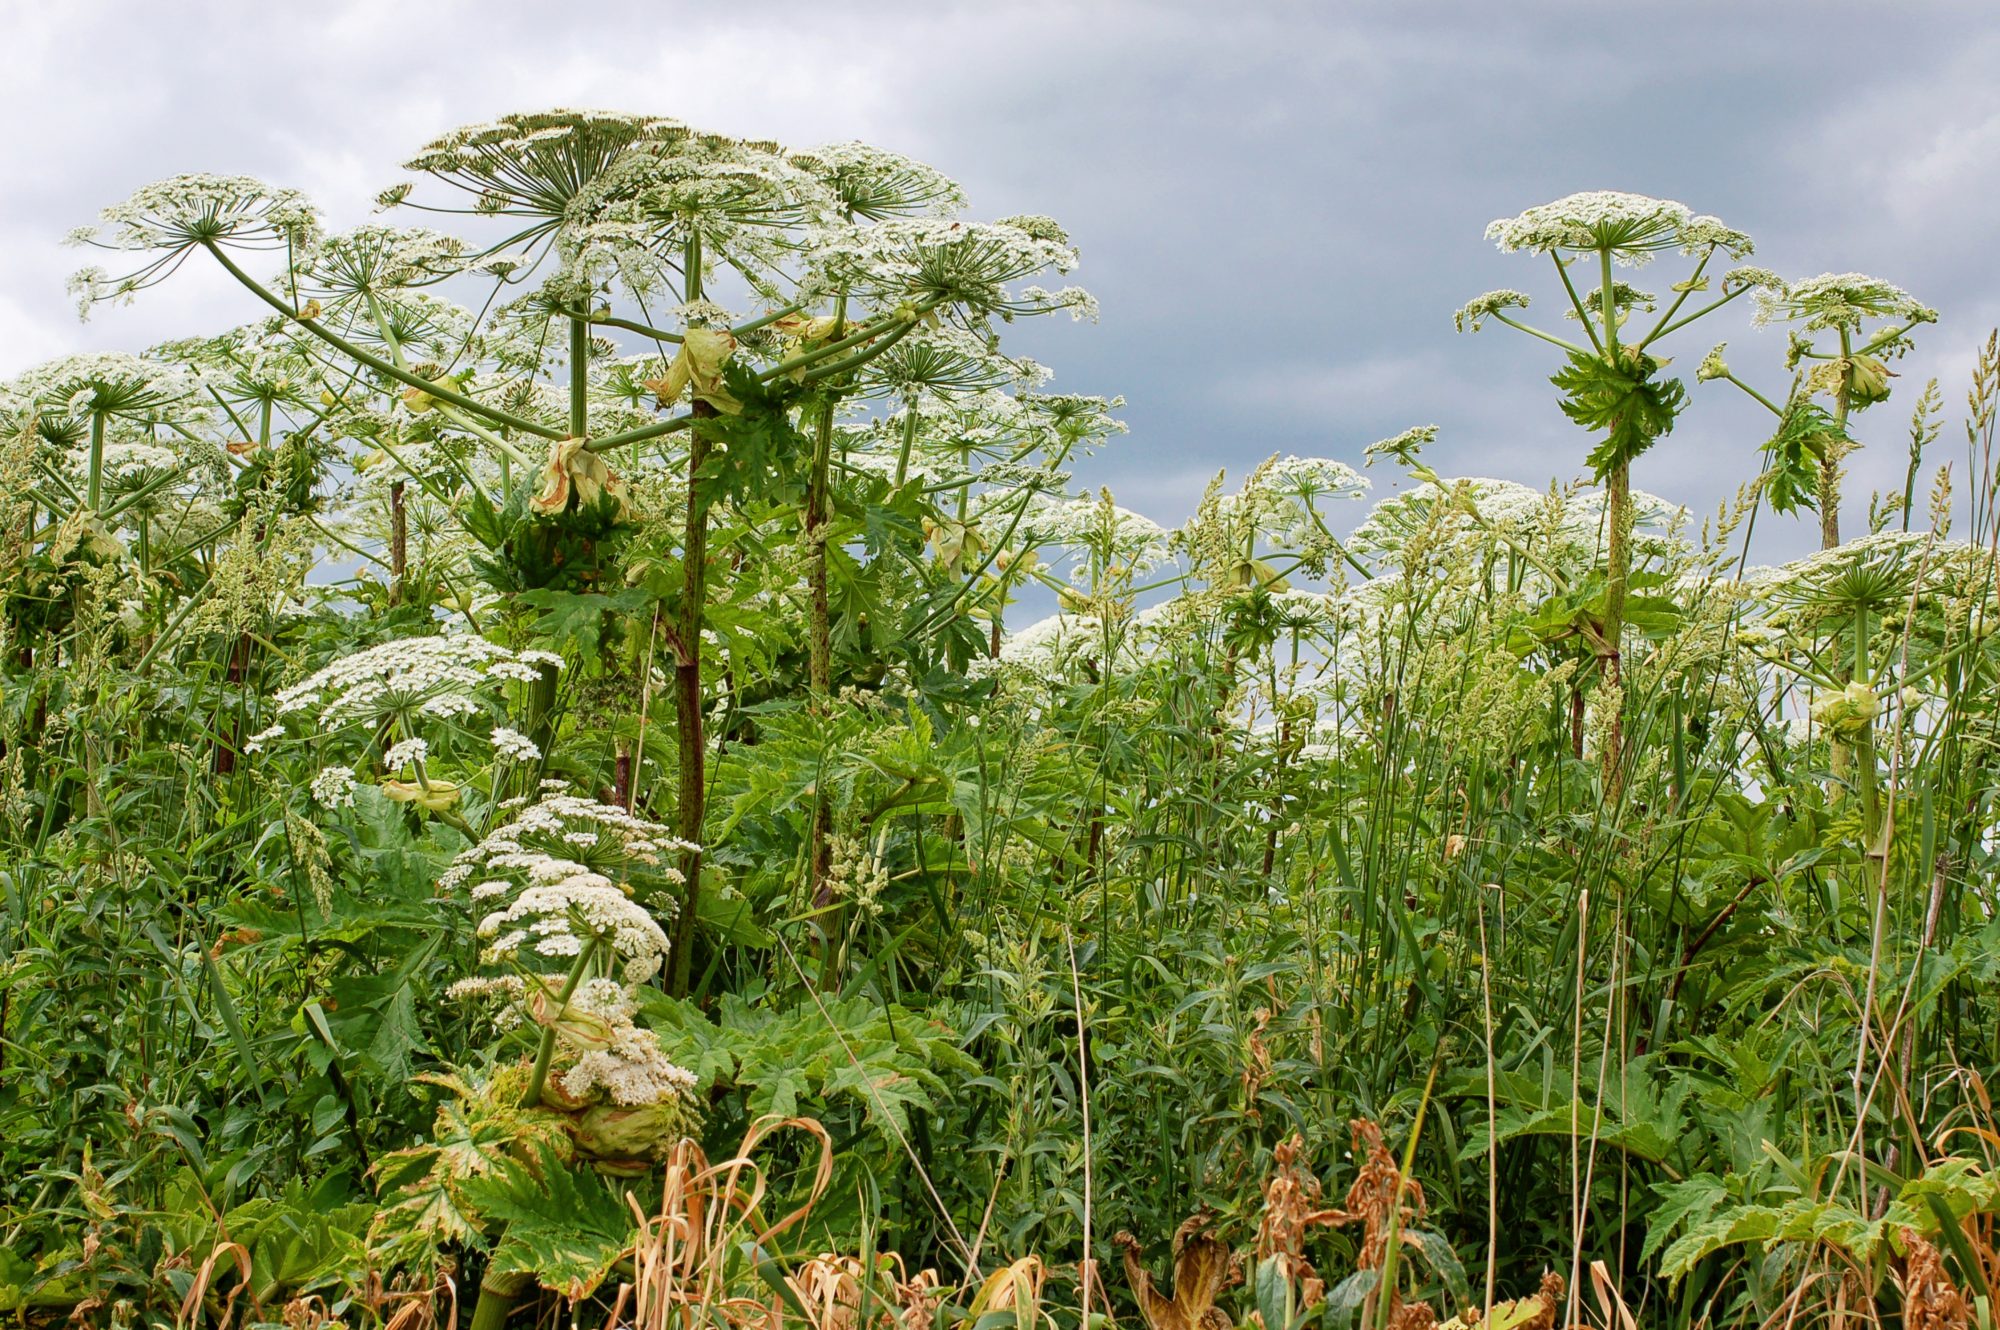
(514, 745)
(333, 787)
(255, 743)
(404, 753)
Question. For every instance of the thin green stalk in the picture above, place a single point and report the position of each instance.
(1385, 1288)
(375, 362)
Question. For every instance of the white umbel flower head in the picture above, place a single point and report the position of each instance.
(373, 259)
(965, 266)
(515, 745)
(186, 210)
(564, 858)
(1117, 534)
(1840, 300)
(405, 753)
(443, 675)
(611, 1057)
(1631, 227)
(1403, 447)
(333, 787)
(109, 383)
(171, 217)
(875, 184)
(573, 905)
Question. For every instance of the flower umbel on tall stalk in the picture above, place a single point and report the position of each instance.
(1870, 321)
(1612, 383)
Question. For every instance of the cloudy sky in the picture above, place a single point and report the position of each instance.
(1278, 205)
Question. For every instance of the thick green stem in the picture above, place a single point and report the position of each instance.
(542, 707)
(909, 443)
(1617, 575)
(819, 645)
(1864, 743)
(1610, 658)
(579, 379)
(497, 1296)
(399, 542)
(819, 634)
(545, 1052)
(692, 743)
(96, 485)
(1829, 467)
(1608, 304)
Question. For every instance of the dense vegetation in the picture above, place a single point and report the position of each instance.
(522, 797)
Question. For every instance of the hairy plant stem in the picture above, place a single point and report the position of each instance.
(1617, 574)
(1864, 743)
(579, 378)
(498, 1291)
(1829, 467)
(96, 485)
(692, 744)
(819, 631)
(399, 542)
(545, 1051)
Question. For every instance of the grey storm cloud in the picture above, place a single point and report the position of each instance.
(1278, 205)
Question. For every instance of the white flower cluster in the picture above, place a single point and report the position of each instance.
(333, 787)
(1054, 648)
(1840, 300)
(189, 209)
(938, 367)
(1879, 572)
(110, 383)
(375, 258)
(1568, 528)
(1475, 312)
(443, 676)
(1280, 498)
(1311, 477)
(556, 858)
(1403, 447)
(873, 183)
(555, 919)
(607, 1052)
(515, 745)
(403, 754)
(967, 264)
(1117, 534)
(1632, 227)
(515, 151)
(129, 460)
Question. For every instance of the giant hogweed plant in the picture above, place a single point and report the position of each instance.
(853, 251)
(500, 422)
(1871, 322)
(668, 721)
(1612, 382)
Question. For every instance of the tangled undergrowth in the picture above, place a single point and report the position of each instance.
(521, 795)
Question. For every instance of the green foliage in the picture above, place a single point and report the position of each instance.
(1807, 435)
(1625, 401)
(698, 782)
(562, 1224)
(880, 1061)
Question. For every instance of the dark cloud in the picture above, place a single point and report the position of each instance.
(1279, 205)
